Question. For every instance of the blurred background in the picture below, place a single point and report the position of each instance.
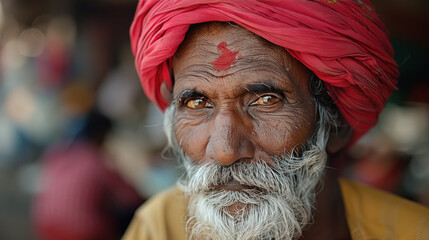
(78, 138)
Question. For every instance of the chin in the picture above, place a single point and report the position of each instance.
(250, 216)
(267, 202)
(273, 201)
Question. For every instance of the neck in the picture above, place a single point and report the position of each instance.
(330, 217)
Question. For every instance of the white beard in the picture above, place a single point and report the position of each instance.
(277, 205)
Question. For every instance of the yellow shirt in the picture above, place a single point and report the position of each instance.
(371, 214)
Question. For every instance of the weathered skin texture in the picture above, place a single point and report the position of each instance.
(228, 114)
(233, 122)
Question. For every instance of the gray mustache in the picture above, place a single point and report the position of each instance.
(254, 175)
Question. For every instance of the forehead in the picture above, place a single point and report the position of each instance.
(224, 50)
(204, 36)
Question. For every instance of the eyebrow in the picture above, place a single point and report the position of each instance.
(258, 88)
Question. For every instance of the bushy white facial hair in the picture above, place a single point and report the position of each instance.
(281, 195)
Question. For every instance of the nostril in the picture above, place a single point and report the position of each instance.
(243, 160)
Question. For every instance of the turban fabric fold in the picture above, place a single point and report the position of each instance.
(342, 41)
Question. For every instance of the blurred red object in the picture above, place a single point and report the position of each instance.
(80, 197)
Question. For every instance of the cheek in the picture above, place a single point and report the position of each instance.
(192, 136)
(280, 133)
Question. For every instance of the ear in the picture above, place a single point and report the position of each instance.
(166, 93)
(339, 137)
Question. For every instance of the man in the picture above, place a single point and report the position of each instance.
(261, 99)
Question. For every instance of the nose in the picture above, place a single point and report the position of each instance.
(230, 139)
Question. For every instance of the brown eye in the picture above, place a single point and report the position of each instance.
(197, 103)
(266, 100)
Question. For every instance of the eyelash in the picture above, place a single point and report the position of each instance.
(183, 102)
(279, 96)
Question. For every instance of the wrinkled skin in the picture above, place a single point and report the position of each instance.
(240, 98)
(227, 115)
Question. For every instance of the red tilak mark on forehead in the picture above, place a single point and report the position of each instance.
(226, 59)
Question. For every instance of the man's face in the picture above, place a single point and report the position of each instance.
(241, 107)
(239, 98)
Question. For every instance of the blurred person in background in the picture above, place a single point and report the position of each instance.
(81, 197)
(262, 99)
(45, 46)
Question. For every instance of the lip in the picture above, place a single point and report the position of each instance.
(232, 186)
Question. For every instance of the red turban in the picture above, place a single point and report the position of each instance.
(342, 41)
